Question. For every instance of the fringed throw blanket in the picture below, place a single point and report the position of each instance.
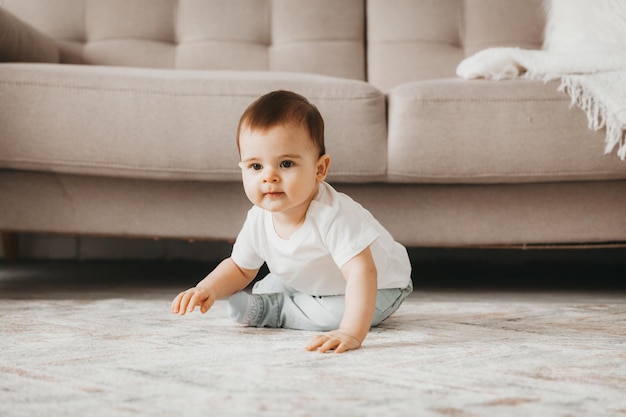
(595, 79)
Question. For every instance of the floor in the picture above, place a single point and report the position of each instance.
(487, 333)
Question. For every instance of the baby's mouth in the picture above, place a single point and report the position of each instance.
(274, 194)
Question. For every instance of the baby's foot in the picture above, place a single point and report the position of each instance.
(243, 308)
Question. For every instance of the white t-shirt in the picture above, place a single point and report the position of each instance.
(336, 229)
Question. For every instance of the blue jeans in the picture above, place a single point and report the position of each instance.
(278, 305)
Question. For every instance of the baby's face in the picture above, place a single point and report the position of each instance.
(281, 169)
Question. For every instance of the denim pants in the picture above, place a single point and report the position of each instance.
(278, 305)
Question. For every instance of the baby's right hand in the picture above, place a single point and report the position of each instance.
(186, 301)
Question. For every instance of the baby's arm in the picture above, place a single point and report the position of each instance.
(361, 289)
(226, 279)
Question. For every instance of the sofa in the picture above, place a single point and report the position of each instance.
(118, 118)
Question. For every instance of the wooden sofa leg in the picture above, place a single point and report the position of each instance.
(9, 246)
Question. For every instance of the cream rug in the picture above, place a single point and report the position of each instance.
(121, 353)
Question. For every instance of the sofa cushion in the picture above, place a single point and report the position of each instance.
(150, 123)
(20, 42)
(426, 39)
(456, 131)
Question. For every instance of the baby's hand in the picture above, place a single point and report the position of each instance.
(336, 340)
(186, 301)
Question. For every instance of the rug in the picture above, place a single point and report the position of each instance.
(442, 354)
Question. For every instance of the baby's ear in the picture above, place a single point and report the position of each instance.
(322, 167)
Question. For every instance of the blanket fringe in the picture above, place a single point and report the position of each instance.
(597, 115)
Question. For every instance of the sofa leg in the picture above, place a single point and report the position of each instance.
(9, 246)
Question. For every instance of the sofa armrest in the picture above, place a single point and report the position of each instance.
(20, 42)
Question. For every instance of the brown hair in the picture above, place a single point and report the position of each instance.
(284, 107)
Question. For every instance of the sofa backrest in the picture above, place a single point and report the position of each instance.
(318, 36)
(412, 40)
(402, 40)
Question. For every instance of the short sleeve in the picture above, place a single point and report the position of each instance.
(349, 231)
(247, 250)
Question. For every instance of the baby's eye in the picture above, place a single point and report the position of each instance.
(256, 167)
(286, 164)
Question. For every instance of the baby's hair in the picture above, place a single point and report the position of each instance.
(283, 108)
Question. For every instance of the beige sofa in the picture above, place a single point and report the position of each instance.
(117, 118)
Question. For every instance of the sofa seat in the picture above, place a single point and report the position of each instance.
(163, 124)
(451, 131)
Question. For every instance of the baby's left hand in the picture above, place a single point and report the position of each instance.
(336, 340)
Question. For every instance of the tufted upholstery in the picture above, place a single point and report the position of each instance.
(411, 40)
(287, 35)
(277, 35)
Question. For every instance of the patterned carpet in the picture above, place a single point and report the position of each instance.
(119, 352)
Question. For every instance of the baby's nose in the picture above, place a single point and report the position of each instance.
(270, 175)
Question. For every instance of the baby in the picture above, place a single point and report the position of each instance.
(333, 267)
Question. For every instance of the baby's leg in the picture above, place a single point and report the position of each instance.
(298, 310)
(274, 304)
(388, 301)
(270, 284)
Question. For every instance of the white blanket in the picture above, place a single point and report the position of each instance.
(594, 78)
